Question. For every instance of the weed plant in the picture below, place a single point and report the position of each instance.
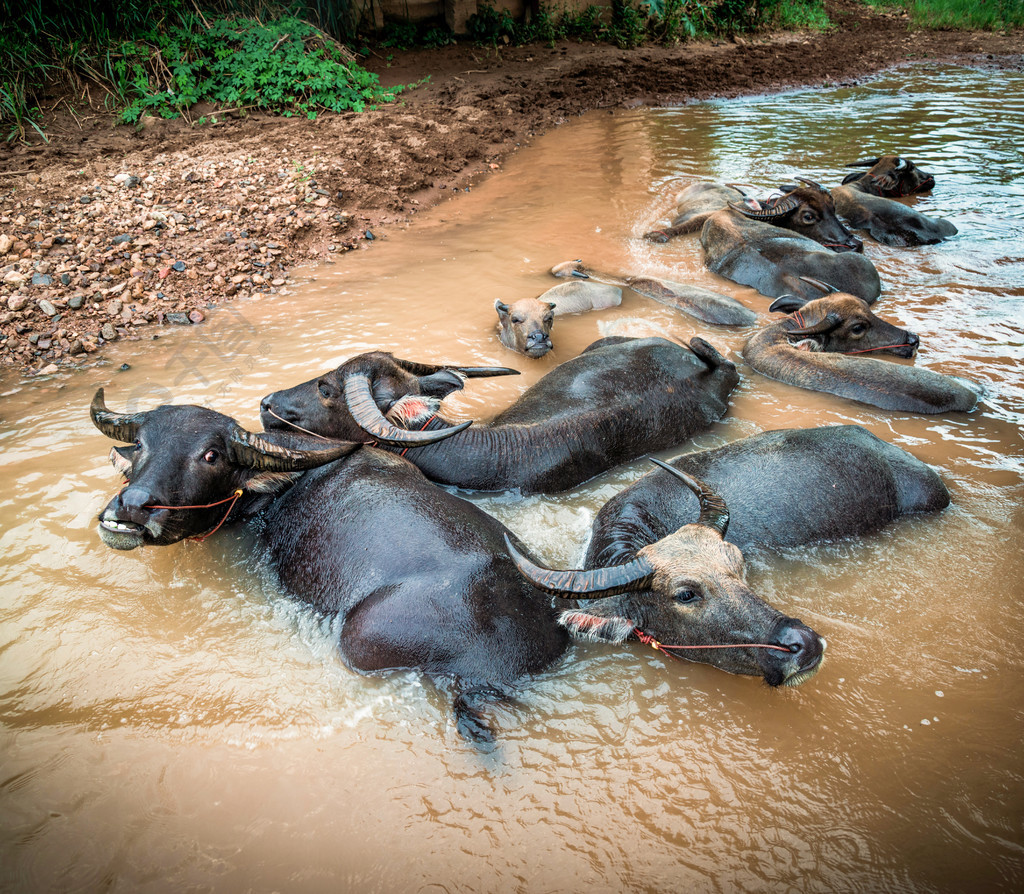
(984, 15)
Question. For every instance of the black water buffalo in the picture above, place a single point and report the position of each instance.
(689, 577)
(867, 200)
(824, 345)
(619, 399)
(700, 303)
(784, 488)
(525, 325)
(419, 578)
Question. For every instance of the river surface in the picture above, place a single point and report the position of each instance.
(172, 722)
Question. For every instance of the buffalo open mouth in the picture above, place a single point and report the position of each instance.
(537, 350)
(119, 534)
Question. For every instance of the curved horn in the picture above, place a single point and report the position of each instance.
(778, 209)
(864, 163)
(367, 415)
(118, 426)
(901, 164)
(814, 185)
(595, 583)
(827, 288)
(470, 372)
(831, 322)
(714, 513)
(256, 452)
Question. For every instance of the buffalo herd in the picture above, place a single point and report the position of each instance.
(343, 486)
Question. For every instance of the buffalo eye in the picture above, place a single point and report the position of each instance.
(858, 329)
(211, 456)
(549, 319)
(517, 319)
(808, 217)
(325, 389)
(685, 597)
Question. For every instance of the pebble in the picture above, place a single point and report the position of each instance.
(42, 279)
(179, 318)
(17, 302)
(108, 332)
(47, 307)
(75, 302)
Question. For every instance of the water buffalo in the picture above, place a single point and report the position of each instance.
(700, 303)
(690, 579)
(813, 347)
(784, 488)
(525, 326)
(866, 199)
(418, 578)
(807, 210)
(620, 398)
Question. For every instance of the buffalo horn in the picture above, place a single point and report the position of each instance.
(714, 513)
(814, 185)
(595, 583)
(818, 284)
(901, 164)
(831, 322)
(470, 372)
(118, 426)
(255, 452)
(778, 209)
(366, 413)
(865, 163)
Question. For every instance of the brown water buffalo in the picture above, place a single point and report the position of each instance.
(620, 398)
(700, 303)
(824, 345)
(807, 210)
(867, 200)
(784, 488)
(693, 580)
(525, 325)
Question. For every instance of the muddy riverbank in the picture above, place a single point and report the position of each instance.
(109, 233)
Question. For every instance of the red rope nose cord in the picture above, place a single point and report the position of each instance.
(201, 537)
(800, 322)
(649, 640)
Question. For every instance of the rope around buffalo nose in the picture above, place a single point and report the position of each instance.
(649, 640)
(201, 537)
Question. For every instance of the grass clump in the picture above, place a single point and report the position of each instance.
(982, 15)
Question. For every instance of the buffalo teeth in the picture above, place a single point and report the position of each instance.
(123, 527)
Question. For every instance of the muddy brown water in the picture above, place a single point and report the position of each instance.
(172, 722)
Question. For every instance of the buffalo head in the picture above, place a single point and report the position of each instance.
(687, 591)
(891, 176)
(186, 467)
(808, 210)
(525, 327)
(373, 396)
(843, 324)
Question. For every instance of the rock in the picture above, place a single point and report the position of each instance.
(17, 302)
(108, 333)
(123, 238)
(179, 266)
(47, 307)
(76, 347)
(5, 243)
(49, 370)
(179, 318)
(65, 279)
(75, 302)
(13, 277)
(42, 279)
(196, 316)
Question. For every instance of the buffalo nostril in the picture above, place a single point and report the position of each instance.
(135, 497)
(265, 404)
(800, 641)
(913, 339)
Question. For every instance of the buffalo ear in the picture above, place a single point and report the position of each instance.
(501, 308)
(850, 178)
(789, 187)
(786, 304)
(595, 629)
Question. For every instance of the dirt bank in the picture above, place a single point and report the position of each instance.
(107, 232)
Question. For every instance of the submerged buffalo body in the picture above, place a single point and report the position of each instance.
(829, 344)
(525, 325)
(418, 578)
(867, 200)
(617, 400)
(777, 262)
(783, 488)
